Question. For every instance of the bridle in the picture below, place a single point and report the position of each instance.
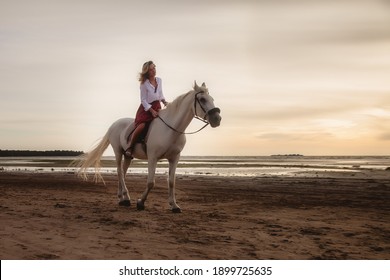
(196, 116)
(203, 109)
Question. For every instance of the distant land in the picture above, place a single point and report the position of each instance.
(28, 153)
(288, 155)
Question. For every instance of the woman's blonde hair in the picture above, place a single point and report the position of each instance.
(144, 75)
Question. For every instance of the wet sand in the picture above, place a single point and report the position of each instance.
(309, 216)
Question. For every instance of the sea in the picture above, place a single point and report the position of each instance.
(225, 166)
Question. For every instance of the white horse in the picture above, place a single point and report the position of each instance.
(165, 140)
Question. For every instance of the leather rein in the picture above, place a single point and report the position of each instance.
(196, 116)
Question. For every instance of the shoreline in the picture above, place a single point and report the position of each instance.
(211, 171)
(217, 166)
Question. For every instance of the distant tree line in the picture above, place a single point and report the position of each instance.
(28, 153)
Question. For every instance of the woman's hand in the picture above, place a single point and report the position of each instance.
(153, 112)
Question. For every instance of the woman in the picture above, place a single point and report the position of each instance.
(151, 96)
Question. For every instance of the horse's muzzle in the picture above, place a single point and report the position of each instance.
(214, 117)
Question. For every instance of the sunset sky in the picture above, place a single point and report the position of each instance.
(309, 77)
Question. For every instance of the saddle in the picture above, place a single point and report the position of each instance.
(141, 138)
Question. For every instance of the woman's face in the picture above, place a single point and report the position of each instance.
(152, 71)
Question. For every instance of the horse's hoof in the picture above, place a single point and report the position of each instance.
(140, 205)
(176, 210)
(124, 203)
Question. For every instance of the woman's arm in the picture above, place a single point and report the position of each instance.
(144, 97)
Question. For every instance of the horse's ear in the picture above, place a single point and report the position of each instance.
(203, 85)
(196, 87)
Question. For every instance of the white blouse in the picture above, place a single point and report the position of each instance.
(150, 94)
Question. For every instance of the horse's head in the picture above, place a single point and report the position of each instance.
(204, 105)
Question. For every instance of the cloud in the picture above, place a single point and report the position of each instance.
(384, 136)
(294, 136)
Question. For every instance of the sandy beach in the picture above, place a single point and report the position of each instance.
(321, 216)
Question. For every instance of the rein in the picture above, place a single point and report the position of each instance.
(174, 129)
(196, 117)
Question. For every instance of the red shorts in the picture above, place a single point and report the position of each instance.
(143, 116)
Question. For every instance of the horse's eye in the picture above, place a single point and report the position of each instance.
(202, 100)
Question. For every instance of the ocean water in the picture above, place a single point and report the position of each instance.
(214, 166)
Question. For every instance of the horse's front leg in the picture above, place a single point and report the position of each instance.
(171, 184)
(152, 163)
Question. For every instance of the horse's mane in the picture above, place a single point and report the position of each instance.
(175, 104)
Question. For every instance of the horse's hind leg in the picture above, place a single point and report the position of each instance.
(123, 193)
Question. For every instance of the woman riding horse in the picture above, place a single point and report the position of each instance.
(166, 139)
(151, 95)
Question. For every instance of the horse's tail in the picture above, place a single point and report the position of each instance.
(92, 159)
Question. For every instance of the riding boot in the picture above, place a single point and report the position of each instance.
(134, 137)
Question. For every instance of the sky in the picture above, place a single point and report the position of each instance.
(290, 76)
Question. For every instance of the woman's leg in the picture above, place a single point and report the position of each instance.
(134, 137)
